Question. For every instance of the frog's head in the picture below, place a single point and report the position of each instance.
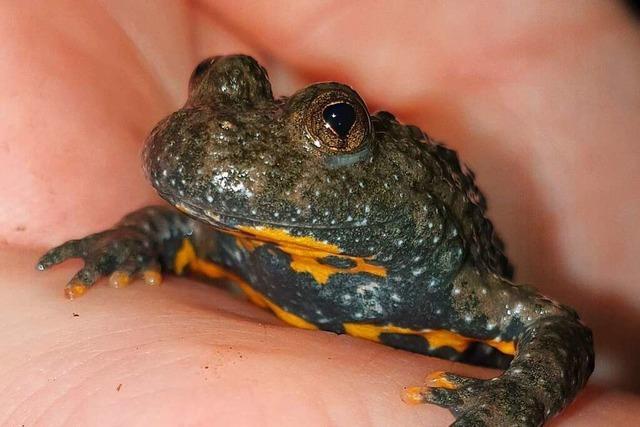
(235, 156)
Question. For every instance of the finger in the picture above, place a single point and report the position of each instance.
(66, 172)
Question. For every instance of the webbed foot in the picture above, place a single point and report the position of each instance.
(123, 253)
(474, 402)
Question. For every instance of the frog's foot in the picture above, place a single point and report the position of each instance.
(124, 253)
(474, 402)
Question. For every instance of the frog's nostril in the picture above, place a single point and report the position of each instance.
(340, 118)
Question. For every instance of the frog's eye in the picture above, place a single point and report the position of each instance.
(200, 70)
(232, 79)
(339, 117)
(202, 67)
(338, 121)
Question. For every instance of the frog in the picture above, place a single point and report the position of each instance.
(339, 220)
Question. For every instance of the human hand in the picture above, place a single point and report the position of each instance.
(543, 99)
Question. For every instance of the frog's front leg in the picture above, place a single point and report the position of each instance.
(143, 243)
(553, 361)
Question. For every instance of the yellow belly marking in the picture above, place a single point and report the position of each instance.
(261, 300)
(186, 257)
(306, 253)
(436, 337)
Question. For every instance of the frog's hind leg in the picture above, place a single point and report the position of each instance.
(553, 361)
(481, 354)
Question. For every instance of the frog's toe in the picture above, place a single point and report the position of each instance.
(131, 270)
(125, 273)
(120, 279)
(441, 388)
(152, 276)
(475, 402)
(449, 380)
(67, 250)
(81, 282)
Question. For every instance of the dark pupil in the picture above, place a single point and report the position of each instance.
(201, 67)
(340, 117)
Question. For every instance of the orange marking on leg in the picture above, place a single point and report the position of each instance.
(212, 271)
(184, 256)
(119, 279)
(437, 379)
(152, 277)
(413, 395)
(75, 290)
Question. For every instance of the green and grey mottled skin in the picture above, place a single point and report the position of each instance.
(234, 156)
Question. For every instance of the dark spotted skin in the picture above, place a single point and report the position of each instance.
(378, 232)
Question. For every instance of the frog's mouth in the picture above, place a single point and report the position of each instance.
(233, 222)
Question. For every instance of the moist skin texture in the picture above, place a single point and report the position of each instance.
(339, 220)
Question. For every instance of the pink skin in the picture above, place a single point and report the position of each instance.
(542, 102)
